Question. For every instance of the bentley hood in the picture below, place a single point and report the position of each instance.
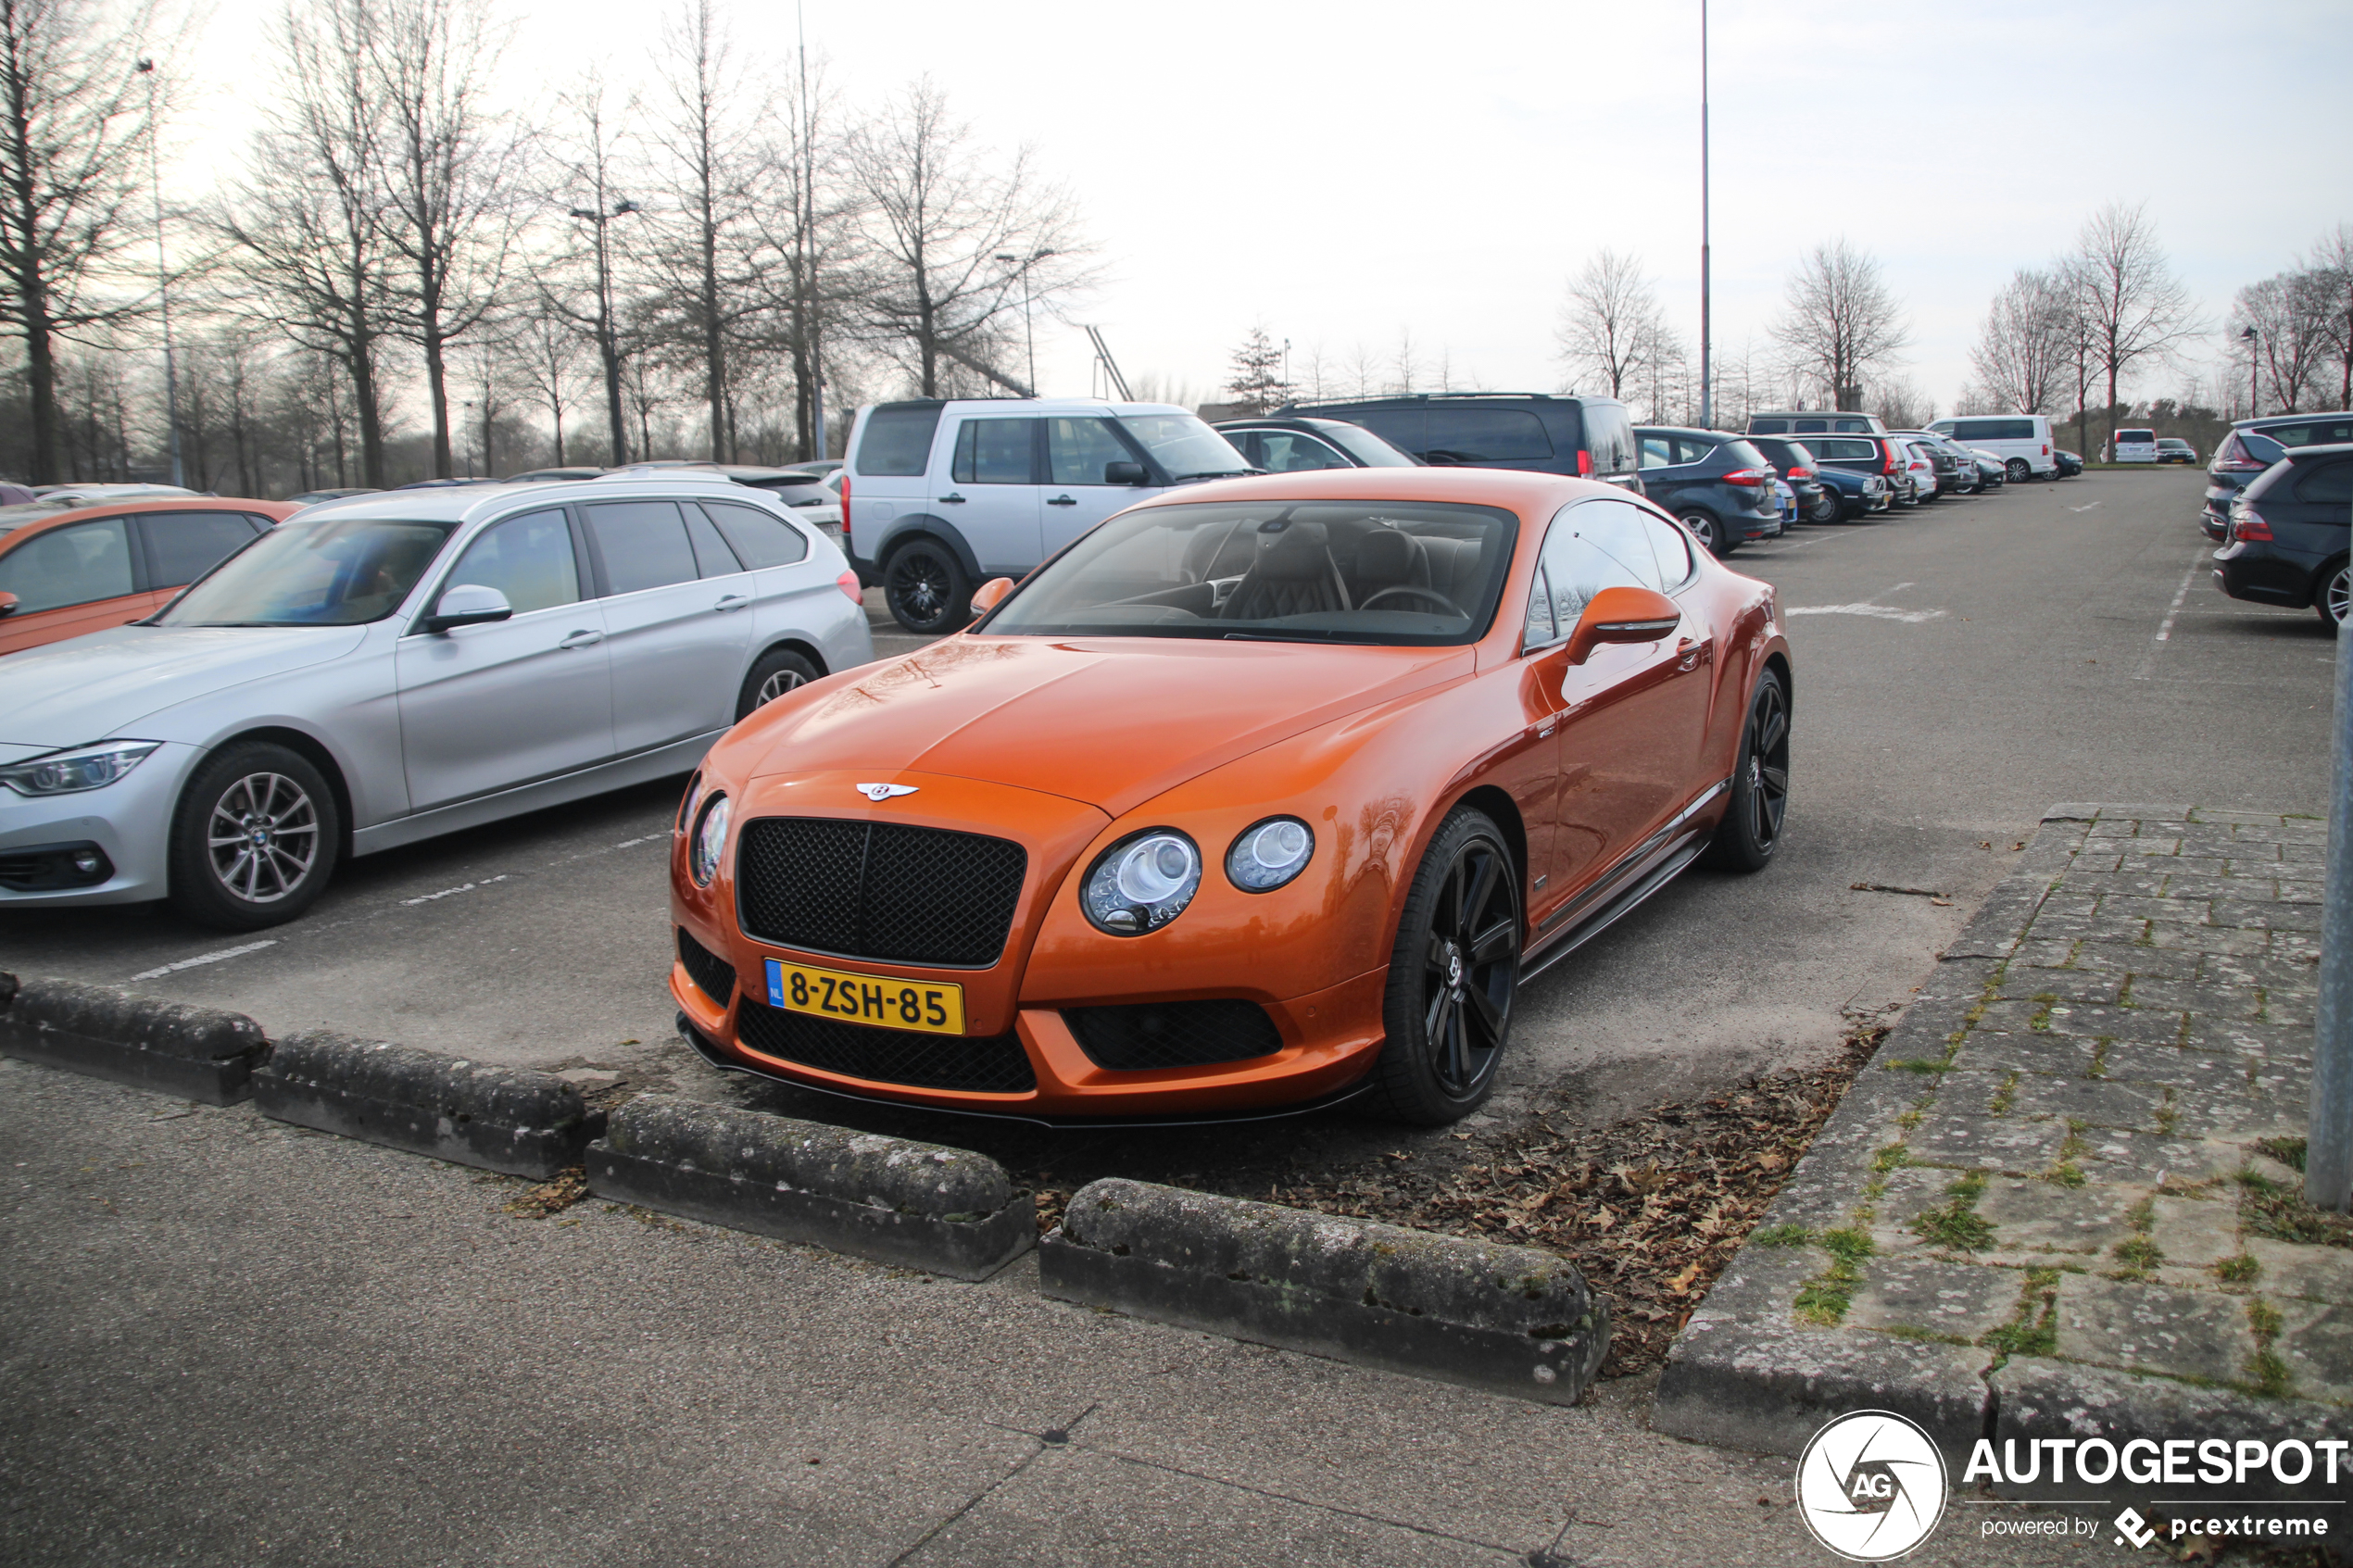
(1110, 722)
(101, 686)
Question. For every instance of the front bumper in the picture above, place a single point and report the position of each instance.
(129, 820)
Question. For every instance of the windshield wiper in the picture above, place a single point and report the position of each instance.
(1217, 473)
(1282, 636)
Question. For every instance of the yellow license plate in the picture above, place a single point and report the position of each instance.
(929, 1007)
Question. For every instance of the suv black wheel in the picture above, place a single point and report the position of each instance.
(778, 671)
(1751, 831)
(1709, 531)
(2333, 599)
(925, 588)
(1452, 976)
(254, 839)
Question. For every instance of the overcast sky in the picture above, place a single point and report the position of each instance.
(1341, 174)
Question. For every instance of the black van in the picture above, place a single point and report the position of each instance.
(1589, 437)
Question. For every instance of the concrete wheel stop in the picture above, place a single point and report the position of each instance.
(195, 1053)
(1509, 1320)
(895, 1200)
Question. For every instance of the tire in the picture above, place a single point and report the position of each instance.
(778, 671)
(1825, 509)
(2017, 471)
(2334, 597)
(1707, 531)
(254, 839)
(1751, 830)
(1452, 976)
(926, 589)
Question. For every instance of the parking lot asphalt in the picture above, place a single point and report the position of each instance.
(225, 1340)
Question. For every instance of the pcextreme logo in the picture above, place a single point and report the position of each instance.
(1871, 1485)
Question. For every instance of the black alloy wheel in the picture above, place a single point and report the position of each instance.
(2333, 600)
(778, 671)
(1452, 976)
(2016, 471)
(1751, 830)
(926, 590)
(254, 839)
(1707, 531)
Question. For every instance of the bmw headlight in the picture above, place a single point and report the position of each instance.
(1269, 854)
(1141, 883)
(711, 837)
(67, 773)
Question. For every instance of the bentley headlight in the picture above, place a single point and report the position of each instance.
(1141, 883)
(711, 837)
(1269, 854)
(67, 772)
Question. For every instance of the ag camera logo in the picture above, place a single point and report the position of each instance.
(1871, 1485)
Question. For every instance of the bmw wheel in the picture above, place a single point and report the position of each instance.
(2016, 471)
(925, 589)
(1752, 828)
(1452, 975)
(777, 673)
(2334, 600)
(254, 839)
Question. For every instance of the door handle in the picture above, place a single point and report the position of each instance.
(582, 640)
(731, 601)
(953, 499)
(1060, 501)
(1693, 653)
(1546, 728)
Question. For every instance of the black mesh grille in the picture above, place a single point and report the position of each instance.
(991, 1064)
(712, 975)
(1150, 1035)
(879, 890)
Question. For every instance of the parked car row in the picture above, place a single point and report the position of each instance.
(2279, 500)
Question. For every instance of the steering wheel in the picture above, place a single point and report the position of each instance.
(1446, 605)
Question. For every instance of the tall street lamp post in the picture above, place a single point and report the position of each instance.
(146, 68)
(2250, 338)
(1028, 333)
(605, 342)
(1706, 374)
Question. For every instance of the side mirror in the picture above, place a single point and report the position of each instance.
(991, 593)
(468, 604)
(7, 603)
(1126, 474)
(1622, 615)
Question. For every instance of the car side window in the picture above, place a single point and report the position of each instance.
(759, 538)
(712, 554)
(2333, 483)
(993, 452)
(1486, 435)
(528, 559)
(77, 565)
(1289, 452)
(1657, 452)
(1592, 546)
(1609, 437)
(643, 545)
(182, 547)
(1615, 527)
(1540, 630)
(1692, 449)
(1811, 427)
(1768, 427)
(1076, 450)
(1673, 550)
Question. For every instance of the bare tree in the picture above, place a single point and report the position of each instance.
(2290, 315)
(2023, 352)
(448, 177)
(940, 217)
(310, 252)
(1900, 404)
(1406, 368)
(1609, 325)
(2331, 268)
(1358, 369)
(545, 354)
(1841, 326)
(74, 133)
(2131, 307)
(586, 178)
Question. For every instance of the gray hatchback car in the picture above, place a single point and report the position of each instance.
(380, 670)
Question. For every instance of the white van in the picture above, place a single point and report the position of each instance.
(2022, 442)
(941, 495)
(2133, 447)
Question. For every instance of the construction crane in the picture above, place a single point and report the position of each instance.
(1111, 367)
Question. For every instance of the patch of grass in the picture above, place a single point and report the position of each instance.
(2239, 1270)
(2099, 1057)
(2063, 1171)
(2004, 1097)
(1823, 1299)
(1891, 1157)
(2168, 1114)
(1957, 1223)
(2266, 1371)
(1915, 1064)
(2034, 1326)
(1922, 1335)
(2267, 1208)
(1910, 1119)
(2041, 1021)
(2287, 1151)
(1782, 1236)
(2140, 1257)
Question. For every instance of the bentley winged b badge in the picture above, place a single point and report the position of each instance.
(879, 793)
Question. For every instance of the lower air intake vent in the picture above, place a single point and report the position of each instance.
(994, 1064)
(1153, 1034)
(712, 975)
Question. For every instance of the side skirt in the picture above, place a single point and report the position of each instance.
(1653, 863)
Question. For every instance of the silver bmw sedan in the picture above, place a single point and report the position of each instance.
(380, 669)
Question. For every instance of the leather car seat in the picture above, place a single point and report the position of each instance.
(1388, 559)
(1294, 574)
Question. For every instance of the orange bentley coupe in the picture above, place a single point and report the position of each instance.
(1261, 795)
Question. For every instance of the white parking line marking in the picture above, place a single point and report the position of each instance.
(632, 843)
(1880, 612)
(2084, 509)
(202, 958)
(447, 892)
(2165, 627)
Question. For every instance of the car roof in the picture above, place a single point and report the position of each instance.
(463, 503)
(2268, 420)
(1531, 493)
(1397, 399)
(1688, 430)
(35, 515)
(1039, 406)
(2333, 450)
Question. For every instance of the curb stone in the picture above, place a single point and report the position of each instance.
(523, 1123)
(1509, 1320)
(194, 1053)
(924, 1206)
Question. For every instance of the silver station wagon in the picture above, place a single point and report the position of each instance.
(383, 668)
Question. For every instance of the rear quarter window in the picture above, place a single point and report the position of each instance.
(1769, 427)
(1609, 437)
(1486, 435)
(2331, 484)
(897, 440)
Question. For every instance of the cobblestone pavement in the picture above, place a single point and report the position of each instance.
(2077, 1151)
